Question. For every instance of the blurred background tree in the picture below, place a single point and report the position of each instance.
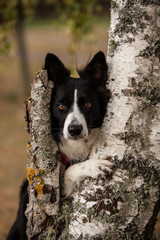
(7, 20)
(78, 15)
(28, 30)
(72, 30)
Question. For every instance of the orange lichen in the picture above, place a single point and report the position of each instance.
(39, 189)
(29, 152)
(30, 174)
(28, 145)
(35, 176)
(39, 186)
(41, 208)
(52, 231)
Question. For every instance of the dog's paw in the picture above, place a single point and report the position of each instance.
(98, 168)
(72, 178)
(90, 168)
(68, 188)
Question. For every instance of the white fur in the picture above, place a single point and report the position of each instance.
(76, 116)
(78, 172)
(78, 149)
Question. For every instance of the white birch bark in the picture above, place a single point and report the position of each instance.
(126, 206)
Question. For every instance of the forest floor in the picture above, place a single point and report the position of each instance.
(40, 39)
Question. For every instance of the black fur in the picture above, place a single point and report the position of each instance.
(18, 230)
(91, 88)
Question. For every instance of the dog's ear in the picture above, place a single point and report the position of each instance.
(96, 70)
(57, 72)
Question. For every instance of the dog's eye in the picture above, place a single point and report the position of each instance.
(61, 107)
(87, 104)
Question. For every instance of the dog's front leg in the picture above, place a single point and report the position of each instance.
(78, 172)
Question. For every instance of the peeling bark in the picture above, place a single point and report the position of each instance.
(126, 206)
(43, 165)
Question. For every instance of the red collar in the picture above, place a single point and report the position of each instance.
(65, 160)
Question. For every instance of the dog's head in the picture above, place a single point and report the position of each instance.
(78, 104)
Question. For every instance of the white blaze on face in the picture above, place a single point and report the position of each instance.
(77, 118)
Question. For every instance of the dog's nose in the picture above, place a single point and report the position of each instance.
(75, 130)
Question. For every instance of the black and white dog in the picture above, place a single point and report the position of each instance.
(78, 107)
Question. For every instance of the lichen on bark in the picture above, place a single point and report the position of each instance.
(131, 18)
(126, 205)
(42, 164)
(130, 132)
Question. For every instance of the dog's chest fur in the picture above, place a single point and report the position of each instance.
(78, 151)
(78, 108)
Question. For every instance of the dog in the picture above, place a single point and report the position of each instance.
(78, 107)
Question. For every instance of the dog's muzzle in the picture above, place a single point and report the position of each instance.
(75, 130)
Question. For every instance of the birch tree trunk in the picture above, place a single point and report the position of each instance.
(126, 206)
(43, 164)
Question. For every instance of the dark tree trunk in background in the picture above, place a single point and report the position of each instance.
(126, 206)
(21, 44)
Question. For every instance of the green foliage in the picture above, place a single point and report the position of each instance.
(79, 15)
(7, 20)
